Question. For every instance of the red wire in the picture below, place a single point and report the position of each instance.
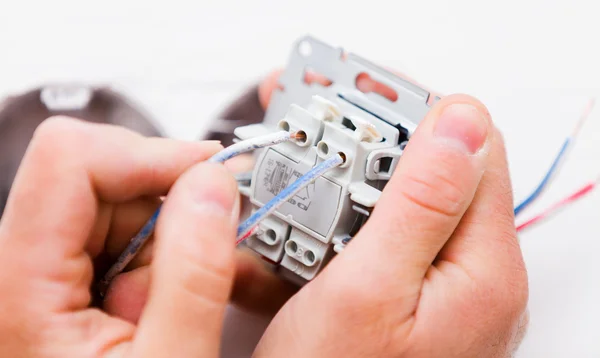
(247, 235)
(569, 199)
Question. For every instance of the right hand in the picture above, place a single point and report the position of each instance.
(436, 271)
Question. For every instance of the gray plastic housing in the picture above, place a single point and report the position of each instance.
(370, 129)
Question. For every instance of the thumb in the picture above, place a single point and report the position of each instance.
(193, 270)
(434, 184)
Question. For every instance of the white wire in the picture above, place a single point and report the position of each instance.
(250, 145)
(249, 225)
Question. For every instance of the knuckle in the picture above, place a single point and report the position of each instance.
(56, 134)
(56, 126)
(146, 171)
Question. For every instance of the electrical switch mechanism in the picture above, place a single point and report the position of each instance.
(367, 123)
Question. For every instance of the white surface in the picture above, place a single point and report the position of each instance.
(534, 63)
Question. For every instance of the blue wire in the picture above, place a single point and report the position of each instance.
(144, 234)
(528, 200)
(287, 193)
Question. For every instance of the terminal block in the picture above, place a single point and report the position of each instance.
(370, 128)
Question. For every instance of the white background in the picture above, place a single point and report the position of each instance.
(534, 63)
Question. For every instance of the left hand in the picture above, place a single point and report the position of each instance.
(80, 194)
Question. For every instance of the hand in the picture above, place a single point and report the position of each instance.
(80, 194)
(437, 270)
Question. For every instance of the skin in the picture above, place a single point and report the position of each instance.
(436, 271)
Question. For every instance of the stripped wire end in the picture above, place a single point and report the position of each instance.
(558, 160)
(247, 235)
(584, 117)
(299, 136)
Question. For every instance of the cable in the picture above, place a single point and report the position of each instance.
(557, 160)
(144, 234)
(542, 185)
(246, 228)
(256, 143)
(580, 193)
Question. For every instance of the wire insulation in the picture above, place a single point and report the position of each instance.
(245, 229)
(580, 193)
(557, 160)
(252, 144)
(138, 241)
(542, 185)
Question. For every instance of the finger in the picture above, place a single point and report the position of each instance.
(267, 86)
(96, 239)
(240, 164)
(193, 267)
(256, 289)
(97, 163)
(490, 212)
(433, 186)
(85, 333)
(116, 231)
(488, 231)
(479, 274)
(127, 294)
(128, 218)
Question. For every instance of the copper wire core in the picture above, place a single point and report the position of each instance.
(299, 136)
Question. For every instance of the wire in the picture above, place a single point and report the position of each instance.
(144, 234)
(580, 193)
(557, 160)
(542, 185)
(246, 228)
(251, 232)
(256, 143)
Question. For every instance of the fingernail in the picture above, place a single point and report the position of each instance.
(462, 125)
